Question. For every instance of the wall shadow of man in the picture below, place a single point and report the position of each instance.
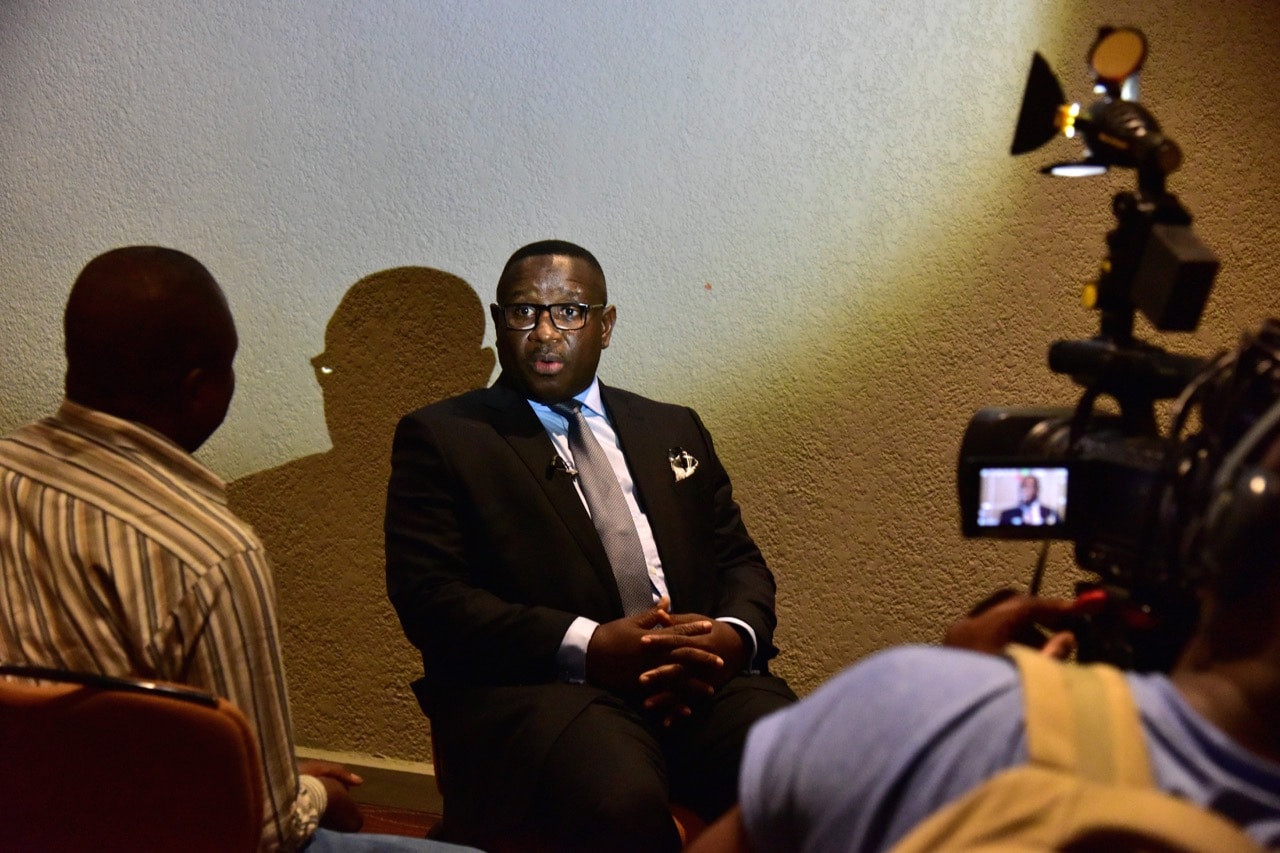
(400, 339)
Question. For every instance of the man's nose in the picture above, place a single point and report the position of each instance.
(543, 328)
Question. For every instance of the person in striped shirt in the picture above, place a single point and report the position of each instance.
(118, 553)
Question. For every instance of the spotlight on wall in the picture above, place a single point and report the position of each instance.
(1116, 129)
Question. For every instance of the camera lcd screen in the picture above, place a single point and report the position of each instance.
(1021, 501)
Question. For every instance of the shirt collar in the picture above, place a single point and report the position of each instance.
(133, 439)
(589, 398)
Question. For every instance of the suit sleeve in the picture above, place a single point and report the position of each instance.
(745, 587)
(439, 568)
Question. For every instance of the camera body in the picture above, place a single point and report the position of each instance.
(1109, 491)
(1004, 448)
(1158, 517)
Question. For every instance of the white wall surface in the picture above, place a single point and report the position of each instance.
(295, 146)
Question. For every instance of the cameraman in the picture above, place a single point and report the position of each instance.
(891, 740)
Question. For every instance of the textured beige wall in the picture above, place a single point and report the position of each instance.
(811, 224)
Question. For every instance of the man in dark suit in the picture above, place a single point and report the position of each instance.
(1029, 509)
(562, 717)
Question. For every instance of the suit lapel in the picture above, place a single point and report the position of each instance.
(644, 444)
(514, 419)
(640, 444)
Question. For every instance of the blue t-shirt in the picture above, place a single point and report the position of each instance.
(889, 741)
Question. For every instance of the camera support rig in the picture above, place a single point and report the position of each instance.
(1155, 262)
(1138, 612)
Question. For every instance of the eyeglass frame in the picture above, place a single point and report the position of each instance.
(545, 307)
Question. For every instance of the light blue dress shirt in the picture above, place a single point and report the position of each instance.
(572, 657)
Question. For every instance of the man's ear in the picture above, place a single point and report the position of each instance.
(607, 319)
(193, 389)
(202, 400)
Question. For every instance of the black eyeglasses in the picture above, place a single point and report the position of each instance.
(565, 316)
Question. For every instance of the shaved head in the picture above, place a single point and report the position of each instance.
(141, 324)
(550, 247)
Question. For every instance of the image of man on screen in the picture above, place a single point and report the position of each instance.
(1029, 509)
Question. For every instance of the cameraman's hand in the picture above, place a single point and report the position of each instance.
(1010, 617)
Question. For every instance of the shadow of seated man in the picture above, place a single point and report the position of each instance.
(398, 337)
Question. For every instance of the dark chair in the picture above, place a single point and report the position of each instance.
(90, 762)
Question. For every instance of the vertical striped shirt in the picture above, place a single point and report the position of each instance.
(119, 556)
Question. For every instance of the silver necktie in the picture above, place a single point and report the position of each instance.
(609, 512)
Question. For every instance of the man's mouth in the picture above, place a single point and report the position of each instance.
(547, 364)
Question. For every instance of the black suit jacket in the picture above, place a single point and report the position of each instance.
(1014, 516)
(491, 555)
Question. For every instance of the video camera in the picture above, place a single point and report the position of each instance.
(1106, 480)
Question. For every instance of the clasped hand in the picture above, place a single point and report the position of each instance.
(669, 661)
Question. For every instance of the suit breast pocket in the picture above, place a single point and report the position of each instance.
(695, 498)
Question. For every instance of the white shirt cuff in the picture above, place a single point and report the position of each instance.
(315, 799)
(571, 659)
(750, 639)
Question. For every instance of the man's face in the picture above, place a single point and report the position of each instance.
(550, 365)
(1030, 488)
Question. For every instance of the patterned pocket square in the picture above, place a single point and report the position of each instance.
(682, 463)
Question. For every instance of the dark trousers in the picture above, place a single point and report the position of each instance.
(609, 776)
